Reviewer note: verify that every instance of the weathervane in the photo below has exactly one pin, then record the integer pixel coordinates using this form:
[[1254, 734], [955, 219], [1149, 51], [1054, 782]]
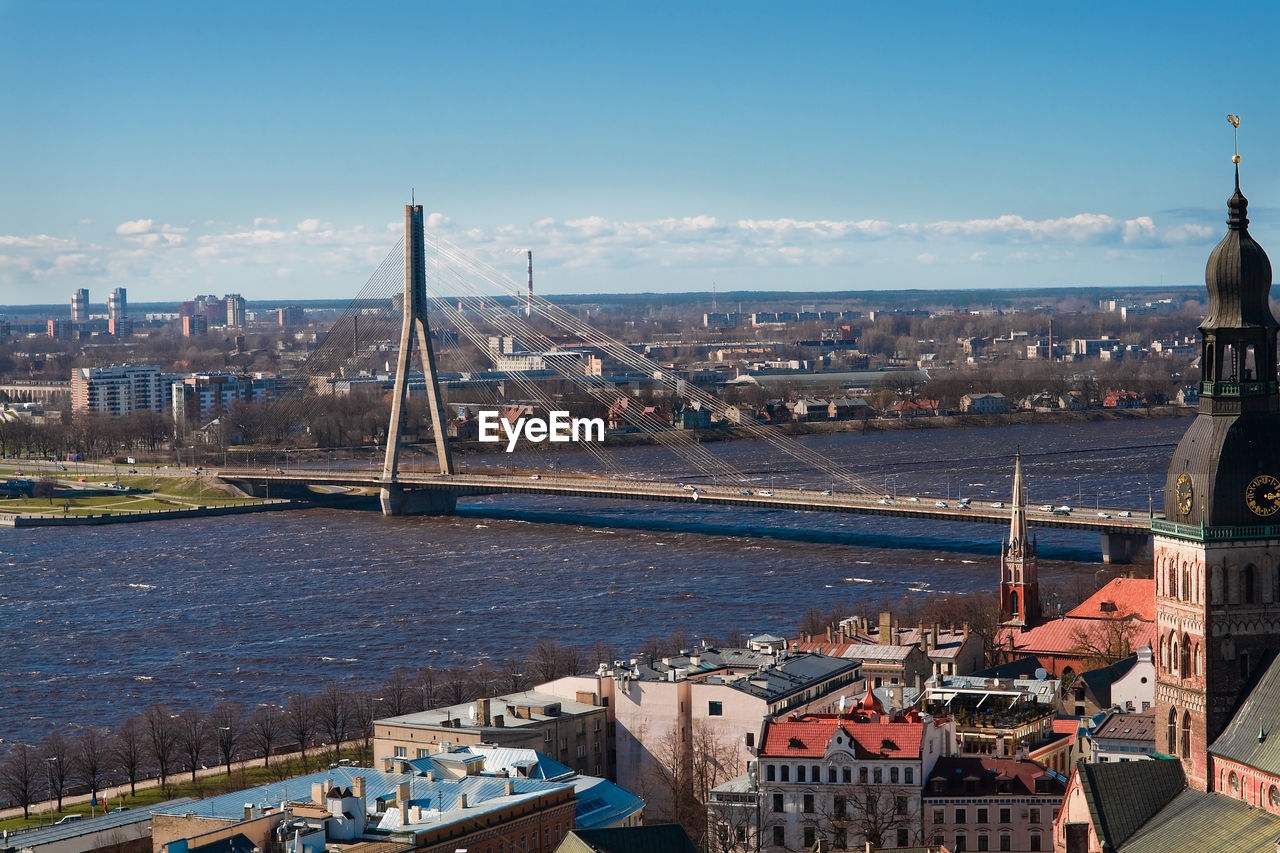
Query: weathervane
[[1235, 133]]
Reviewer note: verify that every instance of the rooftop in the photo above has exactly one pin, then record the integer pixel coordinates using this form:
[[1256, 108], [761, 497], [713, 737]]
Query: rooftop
[[871, 735], [986, 775], [1253, 736], [516, 709], [75, 829], [1195, 820], [1127, 727], [767, 675]]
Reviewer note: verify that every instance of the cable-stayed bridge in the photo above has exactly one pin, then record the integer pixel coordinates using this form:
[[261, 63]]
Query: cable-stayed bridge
[[443, 297]]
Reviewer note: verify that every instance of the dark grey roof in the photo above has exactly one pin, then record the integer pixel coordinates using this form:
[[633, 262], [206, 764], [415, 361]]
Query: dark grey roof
[[238, 843], [1124, 795], [1099, 681], [1020, 668], [1196, 821], [1253, 735], [656, 838], [1117, 725]]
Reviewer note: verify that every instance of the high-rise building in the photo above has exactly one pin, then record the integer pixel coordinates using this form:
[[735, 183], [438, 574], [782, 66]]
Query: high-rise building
[[289, 316], [117, 390], [195, 325], [117, 305], [235, 309], [1216, 550], [80, 306], [200, 397]]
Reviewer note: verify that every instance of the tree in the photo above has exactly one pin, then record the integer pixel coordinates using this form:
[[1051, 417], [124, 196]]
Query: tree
[[162, 740], [57, 754], [20, 776], [128, 748], [687, 765], [266, 731], [44, 487], [89, 758], [300, 721], [364, 708], [333, 712], [193, 738], [227, 720], [397, 694], [1102, 642]]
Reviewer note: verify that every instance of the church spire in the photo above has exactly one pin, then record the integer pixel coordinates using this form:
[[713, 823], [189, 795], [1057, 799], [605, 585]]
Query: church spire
[[1019, 572], [1018, 515]]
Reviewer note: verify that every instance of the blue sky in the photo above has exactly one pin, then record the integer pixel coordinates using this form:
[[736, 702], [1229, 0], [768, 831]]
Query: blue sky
[[266, 149]]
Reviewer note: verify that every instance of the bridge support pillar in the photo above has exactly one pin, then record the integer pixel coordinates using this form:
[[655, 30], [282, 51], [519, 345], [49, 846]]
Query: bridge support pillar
[[397, 500], [1123, 547]]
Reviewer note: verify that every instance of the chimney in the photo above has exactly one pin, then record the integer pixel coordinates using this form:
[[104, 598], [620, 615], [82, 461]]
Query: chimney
[[317, 793], [248, 810], [933, 635], [357, 789], [924, 640], [482, 712], [386, 764], [511, 787], [462, 801], [402, 800], [828, 633], [886, 628]]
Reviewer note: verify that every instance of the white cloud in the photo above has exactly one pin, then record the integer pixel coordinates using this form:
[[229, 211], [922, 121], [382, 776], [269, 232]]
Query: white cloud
[[88, 220], [311, 225], [259, 221], [927, 258], [136, 226]]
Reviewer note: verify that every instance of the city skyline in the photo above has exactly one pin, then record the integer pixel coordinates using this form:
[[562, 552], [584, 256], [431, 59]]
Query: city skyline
[[831, 148]]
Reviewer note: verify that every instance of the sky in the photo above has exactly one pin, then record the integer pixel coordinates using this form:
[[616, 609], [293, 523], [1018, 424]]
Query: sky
[[267, 149]]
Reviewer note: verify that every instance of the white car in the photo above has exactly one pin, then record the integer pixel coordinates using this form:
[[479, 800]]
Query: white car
[[940, 504], [1104, 515], [766, 494], [914, 500], [998, 505], [536, 477], [826, 492], [1046, 508], [883, 502], [1062, 510], [1126, 514]]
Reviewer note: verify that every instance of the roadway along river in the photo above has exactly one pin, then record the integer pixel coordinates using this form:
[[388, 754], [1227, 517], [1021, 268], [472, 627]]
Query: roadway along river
[[97, 623]]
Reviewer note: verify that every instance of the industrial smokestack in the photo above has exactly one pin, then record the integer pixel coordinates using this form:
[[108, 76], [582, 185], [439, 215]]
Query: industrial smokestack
[[528, 305]]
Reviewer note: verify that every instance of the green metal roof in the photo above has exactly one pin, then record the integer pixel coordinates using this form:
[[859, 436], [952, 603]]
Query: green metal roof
[[1123, 796]]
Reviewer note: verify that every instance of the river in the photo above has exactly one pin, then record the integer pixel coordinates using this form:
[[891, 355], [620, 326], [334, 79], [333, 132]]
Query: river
[[98, 623]]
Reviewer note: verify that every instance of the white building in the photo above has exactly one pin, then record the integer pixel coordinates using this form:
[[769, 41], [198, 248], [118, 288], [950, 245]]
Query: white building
[[118, 390]]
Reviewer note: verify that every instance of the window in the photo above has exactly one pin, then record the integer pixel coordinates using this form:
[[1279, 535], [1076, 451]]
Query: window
[[842, 838], [838, 808], [402, 752], [799, 772], [909, 775], [1035, 814], [1004, 815], [1035, 841], [1273, 796], [777, 803], [751, 740], [879, 775], [982, 816], [939, 816], [715, 709], [846, 775], [815, 774], [983, 843], [900, 804], [769, 773], [831, 775], [423, 753], [893, 775], [786, 772], [1234, 781], [862, 775], [810, 836], [779, 836], [961, 844], [961, 816], [808, 803], [1006, 842], [903, 840]]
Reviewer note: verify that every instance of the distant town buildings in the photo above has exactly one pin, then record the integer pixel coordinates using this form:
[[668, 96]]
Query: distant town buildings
[[117, 390], [80, 306]]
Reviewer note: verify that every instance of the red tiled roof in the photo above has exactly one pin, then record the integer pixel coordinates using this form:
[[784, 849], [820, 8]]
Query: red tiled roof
[[1131, 596], [1061, 637], [807, 737]]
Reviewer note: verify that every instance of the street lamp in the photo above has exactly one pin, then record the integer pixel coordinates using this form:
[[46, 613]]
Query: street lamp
[[49, 768]]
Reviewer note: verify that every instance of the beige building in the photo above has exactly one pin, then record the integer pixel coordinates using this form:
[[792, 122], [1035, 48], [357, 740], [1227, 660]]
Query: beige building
[[572, 731]]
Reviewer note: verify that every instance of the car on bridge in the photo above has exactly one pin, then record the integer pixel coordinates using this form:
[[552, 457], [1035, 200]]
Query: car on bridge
[[744, 491], [1104, 515], [940, 504], [998, 505], [766, 494], [914, 500], [1126, 514], [1062, 510]]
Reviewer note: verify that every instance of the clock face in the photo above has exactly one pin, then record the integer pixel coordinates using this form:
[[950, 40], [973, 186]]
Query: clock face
[[1262, 495], [1185, 494]]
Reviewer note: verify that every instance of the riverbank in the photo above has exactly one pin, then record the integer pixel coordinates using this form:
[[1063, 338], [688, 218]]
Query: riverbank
[[12, 519]]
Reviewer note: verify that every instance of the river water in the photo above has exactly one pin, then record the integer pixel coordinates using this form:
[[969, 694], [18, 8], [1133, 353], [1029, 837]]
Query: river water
[[98, 623]]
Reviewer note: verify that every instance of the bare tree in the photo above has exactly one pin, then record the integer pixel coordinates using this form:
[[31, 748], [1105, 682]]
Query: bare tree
[[1103, 642], [687, 766], [162, 740], [427, 684], [300, 721], [193, 738], [266, 731], [332, 713], [128, 748], [546, 659], [20, 776], [57, 754], [90, 757], [227, 720], [364, 709], [397, 694]]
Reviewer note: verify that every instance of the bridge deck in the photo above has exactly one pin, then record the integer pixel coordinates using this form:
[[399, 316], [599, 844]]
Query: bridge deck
[[788, 499]]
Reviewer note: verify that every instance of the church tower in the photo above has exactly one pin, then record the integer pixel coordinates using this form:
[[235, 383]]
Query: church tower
[[1215, 551], [1019, 571]]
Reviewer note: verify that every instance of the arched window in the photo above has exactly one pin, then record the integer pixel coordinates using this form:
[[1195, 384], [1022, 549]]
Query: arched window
[[1013, 605], [1164, 653], [1273, 797], [1250, 592], [1186, 734], [1173, 731], [1186, 657], [1233, 782], [1250, 364], [1199, 664], [1171, 585], [1174, 665]]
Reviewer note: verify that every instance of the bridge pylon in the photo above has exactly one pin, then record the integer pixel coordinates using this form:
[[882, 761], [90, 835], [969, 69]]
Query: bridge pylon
[[413, 327]]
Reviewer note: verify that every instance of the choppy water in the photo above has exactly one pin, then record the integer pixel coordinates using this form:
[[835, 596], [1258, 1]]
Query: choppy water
[[97, 623]]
